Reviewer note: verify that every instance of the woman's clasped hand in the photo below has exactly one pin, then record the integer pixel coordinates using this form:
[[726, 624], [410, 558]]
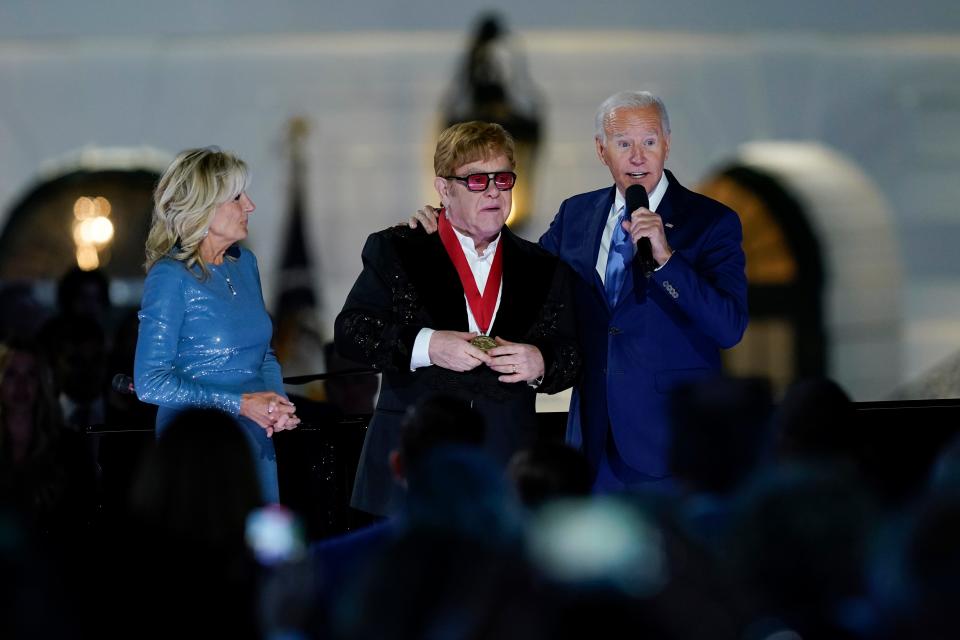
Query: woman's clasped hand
[[270, 410]]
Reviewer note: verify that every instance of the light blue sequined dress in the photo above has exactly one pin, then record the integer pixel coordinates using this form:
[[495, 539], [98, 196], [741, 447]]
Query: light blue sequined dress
[[204, 343]]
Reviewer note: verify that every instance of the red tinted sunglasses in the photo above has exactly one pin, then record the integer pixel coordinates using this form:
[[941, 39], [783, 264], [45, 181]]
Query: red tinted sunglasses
[[502, 180]]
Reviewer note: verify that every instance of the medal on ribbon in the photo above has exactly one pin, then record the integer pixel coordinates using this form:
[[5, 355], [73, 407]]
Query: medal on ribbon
[[483, 342], [481, 305]]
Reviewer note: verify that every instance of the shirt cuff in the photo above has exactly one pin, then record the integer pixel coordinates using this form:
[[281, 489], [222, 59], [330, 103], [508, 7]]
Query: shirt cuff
[[664, 262], [421, 350]]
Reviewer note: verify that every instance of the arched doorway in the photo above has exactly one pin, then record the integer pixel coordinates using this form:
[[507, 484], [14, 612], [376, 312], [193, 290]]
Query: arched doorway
[[93, 211], [823, 268], [785, 338]]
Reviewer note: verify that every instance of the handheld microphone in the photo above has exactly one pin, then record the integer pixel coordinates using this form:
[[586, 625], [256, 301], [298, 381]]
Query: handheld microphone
[[636, 197], [122, 384]]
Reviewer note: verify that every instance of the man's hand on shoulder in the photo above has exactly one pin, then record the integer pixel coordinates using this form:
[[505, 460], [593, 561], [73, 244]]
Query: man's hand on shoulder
[[426, 218]]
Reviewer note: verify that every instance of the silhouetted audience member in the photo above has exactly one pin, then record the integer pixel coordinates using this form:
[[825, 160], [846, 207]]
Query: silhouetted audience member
[[46, 476], [547, 471], [798, 540], [620, 563], [720, 436], [945, 474], [719, 432], [441, 584], [196, 485], [76, 348], [456, 564], [815, 420], [435, 423], [917, 571], [21, 314], [32, 601], [185, 563], [461, 490], [85, 293], [44, 472], [818, 422], [123, 407]]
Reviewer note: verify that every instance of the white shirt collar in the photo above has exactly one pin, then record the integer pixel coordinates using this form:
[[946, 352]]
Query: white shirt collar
[[470, 249]]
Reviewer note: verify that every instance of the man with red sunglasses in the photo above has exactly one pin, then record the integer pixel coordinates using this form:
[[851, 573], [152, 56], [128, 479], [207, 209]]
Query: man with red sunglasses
[[472, 311]]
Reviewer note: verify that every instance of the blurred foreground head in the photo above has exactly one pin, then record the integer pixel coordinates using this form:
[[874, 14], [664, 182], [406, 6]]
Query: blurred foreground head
[[548, 471], [435, 421], [719, 432], [815, 420], [199, 482]]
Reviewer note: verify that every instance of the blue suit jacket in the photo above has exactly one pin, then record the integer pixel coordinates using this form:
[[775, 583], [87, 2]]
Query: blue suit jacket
[[664, 330]]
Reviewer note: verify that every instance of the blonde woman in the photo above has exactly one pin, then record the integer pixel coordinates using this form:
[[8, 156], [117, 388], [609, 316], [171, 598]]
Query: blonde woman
[[204, 336]]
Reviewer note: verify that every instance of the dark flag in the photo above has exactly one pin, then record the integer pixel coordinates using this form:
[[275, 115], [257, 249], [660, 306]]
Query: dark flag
[[299, 339]]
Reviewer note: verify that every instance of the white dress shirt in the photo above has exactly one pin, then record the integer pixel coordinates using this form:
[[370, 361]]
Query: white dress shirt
[[619, 202], [480, 267]]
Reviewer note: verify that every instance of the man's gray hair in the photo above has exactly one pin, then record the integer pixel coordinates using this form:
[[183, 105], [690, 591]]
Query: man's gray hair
[[629, 100]]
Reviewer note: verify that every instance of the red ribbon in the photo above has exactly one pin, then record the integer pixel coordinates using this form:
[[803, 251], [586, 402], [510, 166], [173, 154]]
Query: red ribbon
[[481, 306]]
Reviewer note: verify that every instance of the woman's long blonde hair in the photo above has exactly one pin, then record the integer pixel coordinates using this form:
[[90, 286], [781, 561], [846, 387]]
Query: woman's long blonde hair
[[188, 193]]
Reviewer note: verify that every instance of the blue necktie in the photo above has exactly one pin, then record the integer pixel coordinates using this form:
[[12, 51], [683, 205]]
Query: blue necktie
[[618, 260]]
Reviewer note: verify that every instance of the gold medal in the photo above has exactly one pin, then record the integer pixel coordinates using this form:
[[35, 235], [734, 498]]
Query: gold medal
[[485, 343]]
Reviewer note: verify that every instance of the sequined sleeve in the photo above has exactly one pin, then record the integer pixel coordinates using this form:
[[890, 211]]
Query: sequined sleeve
[[378, 323], [161, 317], [270, 370], [555, 335]]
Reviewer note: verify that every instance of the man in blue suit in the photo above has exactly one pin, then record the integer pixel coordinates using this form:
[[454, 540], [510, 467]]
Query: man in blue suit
[[642, 336], [651, 334]]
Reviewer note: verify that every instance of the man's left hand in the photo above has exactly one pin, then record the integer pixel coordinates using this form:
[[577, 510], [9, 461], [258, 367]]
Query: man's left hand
[[647, 224], [518, 362]]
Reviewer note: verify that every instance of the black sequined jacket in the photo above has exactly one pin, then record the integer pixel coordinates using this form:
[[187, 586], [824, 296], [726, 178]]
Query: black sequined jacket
[[408, 283]]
